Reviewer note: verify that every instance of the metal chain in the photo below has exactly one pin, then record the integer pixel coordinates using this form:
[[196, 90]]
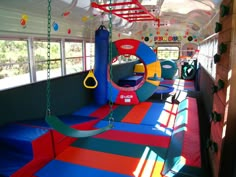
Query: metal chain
[[111, 119], [48, 97], [91, 48]]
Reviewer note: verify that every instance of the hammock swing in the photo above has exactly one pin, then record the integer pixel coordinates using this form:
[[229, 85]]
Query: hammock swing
[[54, 121]]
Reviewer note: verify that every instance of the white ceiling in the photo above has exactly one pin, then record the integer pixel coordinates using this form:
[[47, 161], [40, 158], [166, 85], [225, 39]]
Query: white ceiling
[[176, 17]]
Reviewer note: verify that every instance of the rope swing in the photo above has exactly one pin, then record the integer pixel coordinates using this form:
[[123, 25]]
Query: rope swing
[[54, 121]]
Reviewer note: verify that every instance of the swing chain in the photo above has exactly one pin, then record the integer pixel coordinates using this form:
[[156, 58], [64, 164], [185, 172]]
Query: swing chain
[[102, 18], [111, 119], [48, 59]]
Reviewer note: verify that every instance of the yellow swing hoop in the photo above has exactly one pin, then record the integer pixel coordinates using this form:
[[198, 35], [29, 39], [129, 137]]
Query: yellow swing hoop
[[90, 75]]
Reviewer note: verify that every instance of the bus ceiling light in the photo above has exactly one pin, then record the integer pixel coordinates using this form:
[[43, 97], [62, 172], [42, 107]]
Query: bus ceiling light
[[177, 6], [150, 2]]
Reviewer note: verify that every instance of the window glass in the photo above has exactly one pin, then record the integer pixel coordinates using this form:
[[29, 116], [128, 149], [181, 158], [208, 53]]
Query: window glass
[[14, 63], [40, 56], [90, 56], [124, 59], [168, 53], [74, 57], [206, 55]]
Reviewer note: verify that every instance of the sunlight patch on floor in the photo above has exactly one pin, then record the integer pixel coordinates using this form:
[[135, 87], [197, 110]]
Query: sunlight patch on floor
[[150, 164]]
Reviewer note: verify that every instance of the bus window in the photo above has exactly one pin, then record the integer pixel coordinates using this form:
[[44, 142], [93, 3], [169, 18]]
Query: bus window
[[14, 63], [207, 50], [74, 57], [90, 53], [168, 53], [40, 56]]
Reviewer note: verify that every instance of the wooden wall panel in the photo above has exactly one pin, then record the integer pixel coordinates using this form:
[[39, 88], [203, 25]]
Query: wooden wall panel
[[225, 36], [221, 73], [233, 28], [218, 105], [224, 60], [226, 23], [223, 132], [216, 133], [216, 136]]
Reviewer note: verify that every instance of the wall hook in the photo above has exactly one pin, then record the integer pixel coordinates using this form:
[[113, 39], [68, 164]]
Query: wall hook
[[217, 58], [214, 89], [221, 84], [216, 117], [218, 27], [222, 48], [224, 10], [213, 146]]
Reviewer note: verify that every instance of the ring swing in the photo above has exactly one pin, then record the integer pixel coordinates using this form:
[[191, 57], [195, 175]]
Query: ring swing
[[54, 121], [90, 76]]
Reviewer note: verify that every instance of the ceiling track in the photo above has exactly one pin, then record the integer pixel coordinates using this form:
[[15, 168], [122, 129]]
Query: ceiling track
[[131, 11]]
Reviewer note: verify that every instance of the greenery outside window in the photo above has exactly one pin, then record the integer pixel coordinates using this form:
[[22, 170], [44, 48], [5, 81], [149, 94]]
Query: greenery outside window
[[40, 56], [14, 63], [90, 47], [168, 53], [124, 59], [74, 57]]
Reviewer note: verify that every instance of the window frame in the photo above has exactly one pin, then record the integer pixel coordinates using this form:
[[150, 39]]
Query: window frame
[[42, 74], [207, 49], [168, 44], [15, 80], [31, 61]]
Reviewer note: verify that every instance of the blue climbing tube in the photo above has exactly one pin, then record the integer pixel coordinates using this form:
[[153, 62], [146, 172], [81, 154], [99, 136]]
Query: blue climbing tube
[[101, 62]]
